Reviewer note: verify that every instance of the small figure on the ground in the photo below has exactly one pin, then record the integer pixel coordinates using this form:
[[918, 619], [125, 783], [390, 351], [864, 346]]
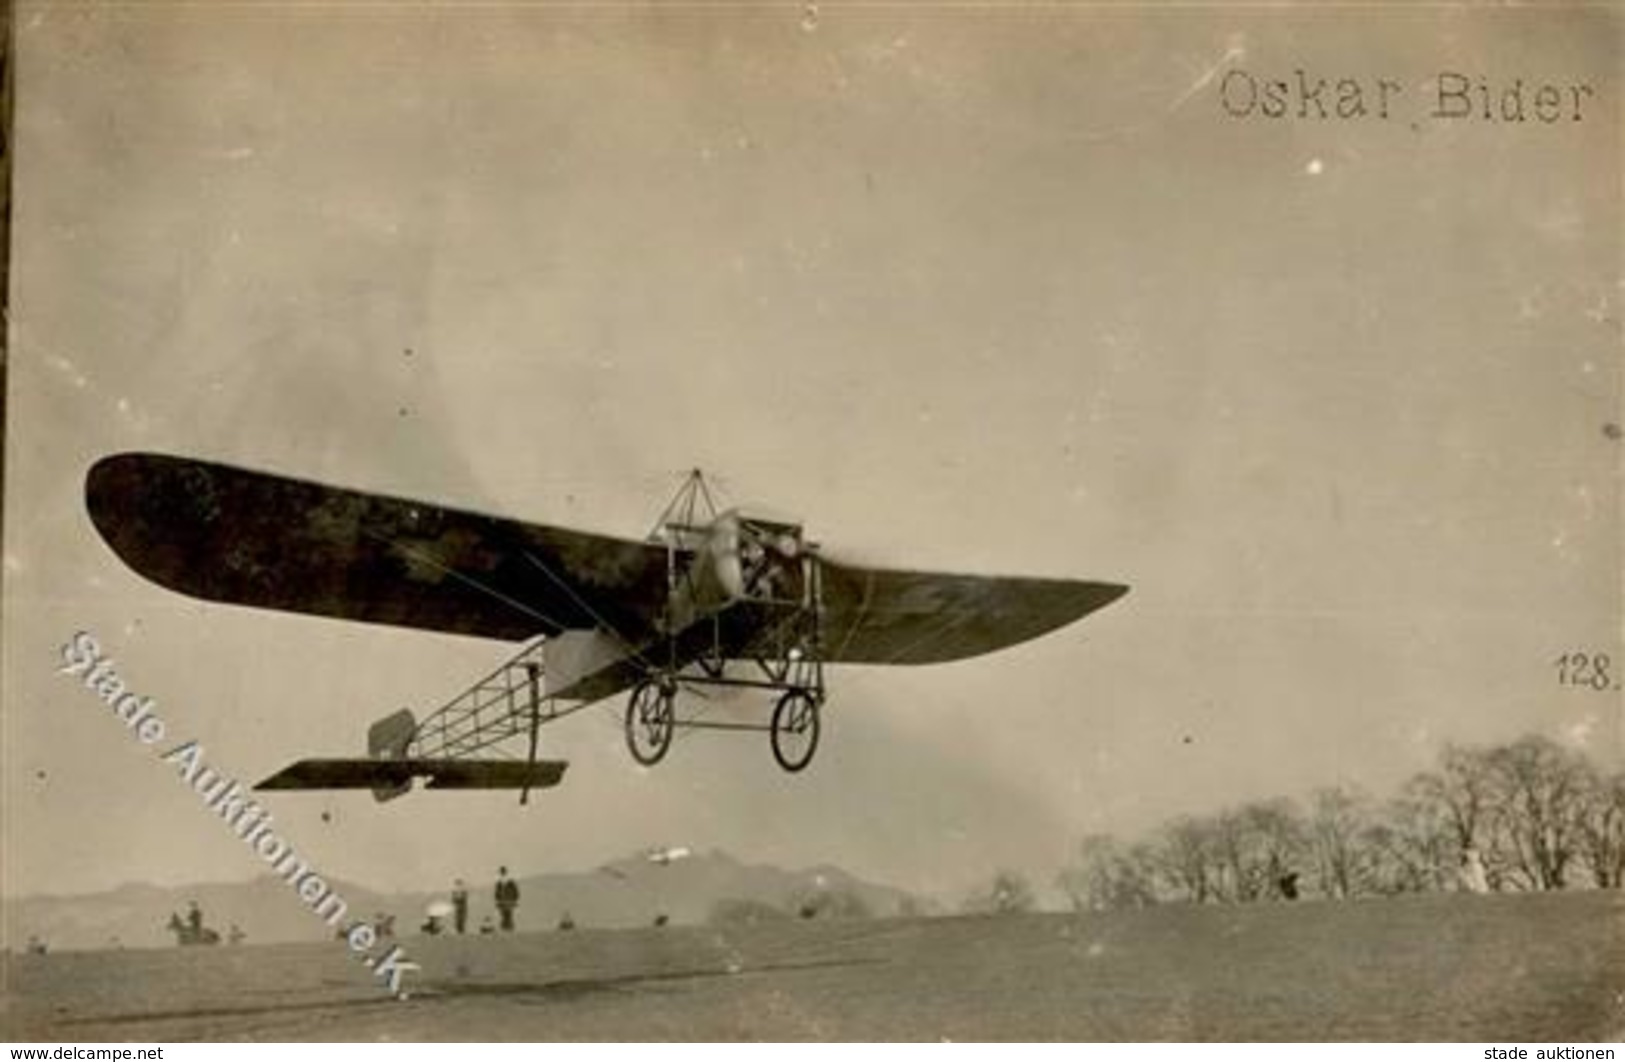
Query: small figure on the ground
[[487, 927], [1473, 878], [235, 934], [436, 914], [36, 946], [567, 923], [1288, 884], [459, 906], [507, 897], [192, 930]]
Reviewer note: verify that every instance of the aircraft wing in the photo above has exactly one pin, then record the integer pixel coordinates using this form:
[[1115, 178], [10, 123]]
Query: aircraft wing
[[876, 616], [250, 538]]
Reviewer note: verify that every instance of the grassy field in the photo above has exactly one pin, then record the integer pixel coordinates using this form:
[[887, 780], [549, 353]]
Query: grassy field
[[1529, 968]]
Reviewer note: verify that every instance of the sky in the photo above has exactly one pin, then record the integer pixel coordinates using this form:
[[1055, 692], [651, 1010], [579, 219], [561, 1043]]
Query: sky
[[1000, 289]]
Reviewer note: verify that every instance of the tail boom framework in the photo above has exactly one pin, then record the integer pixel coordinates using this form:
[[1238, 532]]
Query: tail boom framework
[[499, 710]]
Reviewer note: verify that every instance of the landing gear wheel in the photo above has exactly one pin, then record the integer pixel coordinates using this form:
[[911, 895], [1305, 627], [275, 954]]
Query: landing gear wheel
[[650, 721], [795, 729]]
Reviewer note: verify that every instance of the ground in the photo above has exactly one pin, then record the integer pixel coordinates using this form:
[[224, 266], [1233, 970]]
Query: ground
[[1460, 967]]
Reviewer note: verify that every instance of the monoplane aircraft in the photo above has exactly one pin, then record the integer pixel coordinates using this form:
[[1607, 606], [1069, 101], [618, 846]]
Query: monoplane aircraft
[[708, 600]]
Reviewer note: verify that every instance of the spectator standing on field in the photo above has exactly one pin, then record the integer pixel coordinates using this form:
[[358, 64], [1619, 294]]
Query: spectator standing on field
[[507, 897], [459, 906]]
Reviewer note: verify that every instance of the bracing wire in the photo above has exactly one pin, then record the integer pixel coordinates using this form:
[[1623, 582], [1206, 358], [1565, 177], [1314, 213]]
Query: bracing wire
[[434, 562]]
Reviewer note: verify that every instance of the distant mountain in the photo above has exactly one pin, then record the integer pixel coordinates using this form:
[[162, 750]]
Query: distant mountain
[[136, 915], [628, 892]]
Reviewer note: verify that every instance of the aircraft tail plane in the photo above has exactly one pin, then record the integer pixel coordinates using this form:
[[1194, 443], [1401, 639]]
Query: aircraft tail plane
[[389, 772], [394, 777]]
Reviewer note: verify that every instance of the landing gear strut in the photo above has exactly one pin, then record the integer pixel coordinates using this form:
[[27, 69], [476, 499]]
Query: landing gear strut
[[794, 731], [741, 594], [650, 719]]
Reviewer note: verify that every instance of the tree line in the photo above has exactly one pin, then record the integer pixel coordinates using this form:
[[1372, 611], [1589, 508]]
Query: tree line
[[1532, 815]]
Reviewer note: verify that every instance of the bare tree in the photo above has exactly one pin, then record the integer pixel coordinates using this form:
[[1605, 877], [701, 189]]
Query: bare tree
[[1539, 790], [1522, 815], [1105, 873], [1602, 829], [1462, 790], [1339, 823], [1282, 840], [1257, 845], [1451, 813], [1087, 880], [1185, 855], [1140, 878], [1413, 844]]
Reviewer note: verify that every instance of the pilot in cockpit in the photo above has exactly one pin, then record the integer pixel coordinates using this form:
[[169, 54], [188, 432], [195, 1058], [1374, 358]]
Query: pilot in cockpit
[[757, 564]]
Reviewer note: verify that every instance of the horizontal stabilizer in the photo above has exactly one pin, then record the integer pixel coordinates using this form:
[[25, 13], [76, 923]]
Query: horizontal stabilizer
[[398, 774]]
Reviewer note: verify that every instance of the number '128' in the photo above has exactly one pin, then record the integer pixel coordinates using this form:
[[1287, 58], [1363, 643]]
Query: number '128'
[[1585, 669]]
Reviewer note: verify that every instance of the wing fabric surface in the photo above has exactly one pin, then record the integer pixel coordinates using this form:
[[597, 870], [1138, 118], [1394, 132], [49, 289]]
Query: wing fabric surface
[[250, 538], [242, 537], [874, 616]]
